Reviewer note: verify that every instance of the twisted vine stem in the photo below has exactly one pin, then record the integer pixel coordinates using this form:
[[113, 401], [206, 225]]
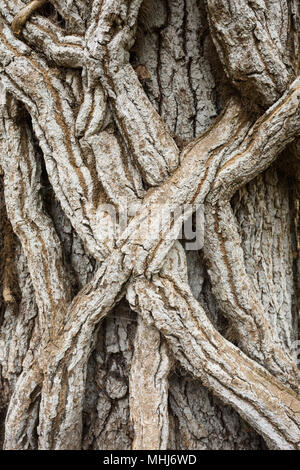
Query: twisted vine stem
[[99, 148]]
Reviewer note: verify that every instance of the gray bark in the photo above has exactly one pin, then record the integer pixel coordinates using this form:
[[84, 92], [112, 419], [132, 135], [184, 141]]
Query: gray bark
[[129, 341]]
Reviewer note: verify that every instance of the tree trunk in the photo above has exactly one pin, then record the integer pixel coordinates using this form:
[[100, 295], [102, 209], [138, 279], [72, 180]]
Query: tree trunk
[[113, 336]]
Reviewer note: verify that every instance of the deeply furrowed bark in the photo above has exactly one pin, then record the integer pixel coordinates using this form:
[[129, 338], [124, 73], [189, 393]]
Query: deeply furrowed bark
[[149, 389], [98, 138]]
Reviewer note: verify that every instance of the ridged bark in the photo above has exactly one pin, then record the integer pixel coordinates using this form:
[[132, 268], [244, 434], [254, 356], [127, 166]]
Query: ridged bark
[[112, 338]]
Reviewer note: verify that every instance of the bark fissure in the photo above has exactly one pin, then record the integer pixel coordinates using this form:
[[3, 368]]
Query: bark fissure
[[106, 145]]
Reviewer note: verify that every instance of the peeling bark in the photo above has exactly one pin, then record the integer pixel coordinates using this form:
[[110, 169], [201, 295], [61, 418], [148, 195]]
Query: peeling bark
[[161, 106]]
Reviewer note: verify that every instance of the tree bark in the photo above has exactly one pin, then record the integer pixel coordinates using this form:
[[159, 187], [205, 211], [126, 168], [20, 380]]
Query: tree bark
[[113, 335]]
